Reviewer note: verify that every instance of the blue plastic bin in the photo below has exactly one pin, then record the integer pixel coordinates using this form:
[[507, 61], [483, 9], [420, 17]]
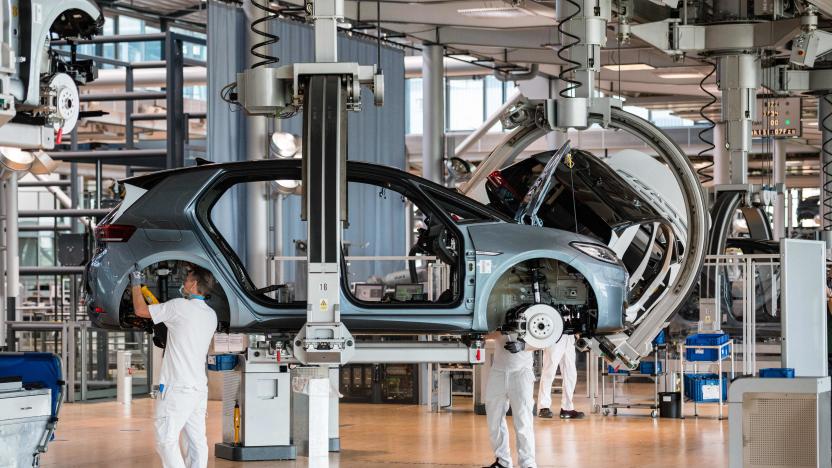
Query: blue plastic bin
[[694, 384], [707, 339], [777, 373], [649, 367], [660, 339], [36, 370], [222, 362]]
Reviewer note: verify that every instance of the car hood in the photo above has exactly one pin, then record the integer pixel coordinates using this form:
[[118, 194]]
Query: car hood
[[587, 193]]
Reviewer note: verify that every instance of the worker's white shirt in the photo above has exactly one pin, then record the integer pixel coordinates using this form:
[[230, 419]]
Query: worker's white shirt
[[507, 361], [191, 325]]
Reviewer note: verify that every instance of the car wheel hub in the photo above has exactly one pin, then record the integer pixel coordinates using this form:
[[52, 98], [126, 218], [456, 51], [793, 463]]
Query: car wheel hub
[[544, 326]]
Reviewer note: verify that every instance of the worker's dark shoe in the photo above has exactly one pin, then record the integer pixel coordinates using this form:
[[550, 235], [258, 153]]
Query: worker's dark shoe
[[546, 413], [571, 414], [496, 464]]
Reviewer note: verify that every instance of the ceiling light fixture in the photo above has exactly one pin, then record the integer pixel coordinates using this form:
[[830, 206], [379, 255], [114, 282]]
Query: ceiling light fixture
[[629, 67], [493, 12], [680, 75]]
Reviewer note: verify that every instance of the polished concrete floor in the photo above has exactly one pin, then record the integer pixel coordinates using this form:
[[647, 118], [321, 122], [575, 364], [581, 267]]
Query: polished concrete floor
[[108, 434]]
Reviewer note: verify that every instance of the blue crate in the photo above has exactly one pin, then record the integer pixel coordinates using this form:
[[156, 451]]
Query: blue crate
[[649, 367], [777, 373], [620, 371], [222, 362], [660, 339], [707, 339], [694, 384]]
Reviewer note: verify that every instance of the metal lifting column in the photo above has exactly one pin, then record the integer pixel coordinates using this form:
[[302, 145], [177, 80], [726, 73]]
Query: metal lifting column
[[324, 91]]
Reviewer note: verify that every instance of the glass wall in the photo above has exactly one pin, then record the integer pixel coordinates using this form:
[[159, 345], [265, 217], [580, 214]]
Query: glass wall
[[469, 100]]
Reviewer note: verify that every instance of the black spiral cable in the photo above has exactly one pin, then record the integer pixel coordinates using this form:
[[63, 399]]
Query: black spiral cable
[[703, 177], [563, 75], [827, 164], [269, 38]]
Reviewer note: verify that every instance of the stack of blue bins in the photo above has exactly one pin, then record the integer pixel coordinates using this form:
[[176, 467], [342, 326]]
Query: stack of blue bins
[[708, 354], [694, 384]]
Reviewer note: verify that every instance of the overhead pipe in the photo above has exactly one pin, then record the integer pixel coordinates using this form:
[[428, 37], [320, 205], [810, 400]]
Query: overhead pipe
[[66, 213]]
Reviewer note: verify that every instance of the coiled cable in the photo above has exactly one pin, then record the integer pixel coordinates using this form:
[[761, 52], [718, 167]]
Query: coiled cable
[[563, 75], [703, 177], [826, 150], [269, 38]]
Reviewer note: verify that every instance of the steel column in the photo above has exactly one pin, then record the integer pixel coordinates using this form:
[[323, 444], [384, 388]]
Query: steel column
[[825, 126], [99, 169], [739, 78], [722, 162], [327, 14], [2, 265], [257, 147], [176, 124], [433, 112], [779, 182], [12, 249]]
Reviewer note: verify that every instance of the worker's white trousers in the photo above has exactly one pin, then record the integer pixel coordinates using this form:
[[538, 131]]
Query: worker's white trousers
[[560, 354], [182, 410], [515, 387]]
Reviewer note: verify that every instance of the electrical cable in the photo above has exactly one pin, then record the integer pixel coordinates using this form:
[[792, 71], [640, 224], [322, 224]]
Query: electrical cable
[[703, 177], [269, 38], [826, 150], [572, 84]]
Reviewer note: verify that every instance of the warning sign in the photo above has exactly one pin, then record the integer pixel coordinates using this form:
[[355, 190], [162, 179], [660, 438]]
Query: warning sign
[[323, 305]]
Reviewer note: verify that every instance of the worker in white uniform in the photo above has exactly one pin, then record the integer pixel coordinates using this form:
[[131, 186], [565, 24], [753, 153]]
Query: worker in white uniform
[[511, 381], [559, 355], [183, 384]]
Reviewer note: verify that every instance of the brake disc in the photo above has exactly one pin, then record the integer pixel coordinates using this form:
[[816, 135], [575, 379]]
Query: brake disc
[[544, 326]]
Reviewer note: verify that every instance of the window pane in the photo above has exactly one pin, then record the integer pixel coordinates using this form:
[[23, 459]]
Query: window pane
[[493, 98], [665, 118], [399, 279], [414, 104], [465, 103]]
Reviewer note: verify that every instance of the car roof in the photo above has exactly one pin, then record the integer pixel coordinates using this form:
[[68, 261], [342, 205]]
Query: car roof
[[366, 169]]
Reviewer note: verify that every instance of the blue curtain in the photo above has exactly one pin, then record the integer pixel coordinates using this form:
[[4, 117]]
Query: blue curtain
[[226, 126]]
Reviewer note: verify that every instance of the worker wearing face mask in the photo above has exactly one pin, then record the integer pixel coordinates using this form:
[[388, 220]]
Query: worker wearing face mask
[[511, 381], [561, 354], [183, 384]]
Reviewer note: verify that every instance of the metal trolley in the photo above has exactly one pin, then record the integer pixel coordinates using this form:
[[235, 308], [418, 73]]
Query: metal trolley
[[652, 405], [718, 362]]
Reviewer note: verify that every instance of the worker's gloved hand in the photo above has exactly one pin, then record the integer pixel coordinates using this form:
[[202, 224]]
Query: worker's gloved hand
[[515, 346], [136, 278]]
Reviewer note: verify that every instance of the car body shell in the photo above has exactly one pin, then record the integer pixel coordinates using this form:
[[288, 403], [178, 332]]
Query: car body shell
[[171, 211]]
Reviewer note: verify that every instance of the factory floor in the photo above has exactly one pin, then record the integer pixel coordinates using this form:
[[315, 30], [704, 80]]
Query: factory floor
[[109, 434]]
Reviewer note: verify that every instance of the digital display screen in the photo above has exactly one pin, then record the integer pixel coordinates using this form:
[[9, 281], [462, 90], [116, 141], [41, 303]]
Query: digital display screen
[[777, 117]]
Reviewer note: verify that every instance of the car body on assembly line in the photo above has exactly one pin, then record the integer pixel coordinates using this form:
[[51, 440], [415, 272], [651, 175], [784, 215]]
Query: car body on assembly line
[[469, 268]]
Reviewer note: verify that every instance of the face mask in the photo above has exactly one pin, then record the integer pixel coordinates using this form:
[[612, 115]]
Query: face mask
[[183, 293]]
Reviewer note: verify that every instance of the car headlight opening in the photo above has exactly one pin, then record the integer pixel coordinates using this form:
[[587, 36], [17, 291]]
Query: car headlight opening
[[598, 252]]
